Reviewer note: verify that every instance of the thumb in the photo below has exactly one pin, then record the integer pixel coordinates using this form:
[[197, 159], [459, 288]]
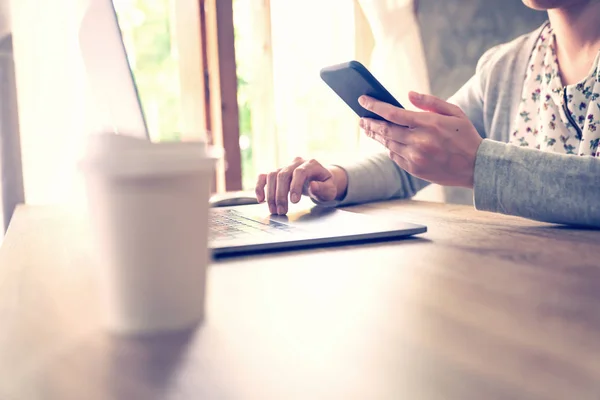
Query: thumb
[[434, 104], [324, 191]]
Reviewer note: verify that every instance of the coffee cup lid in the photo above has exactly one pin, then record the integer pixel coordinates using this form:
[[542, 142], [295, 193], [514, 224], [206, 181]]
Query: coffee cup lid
[[121, 155]]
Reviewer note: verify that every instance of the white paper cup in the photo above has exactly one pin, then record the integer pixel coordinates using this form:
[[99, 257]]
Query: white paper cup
[[148, 207]]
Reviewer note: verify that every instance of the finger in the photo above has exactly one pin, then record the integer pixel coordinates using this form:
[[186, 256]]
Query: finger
[[260, 187], [400, 161], [308, 171], [271, 190], [434, 104], [284, 178], [386, 129], [391, 145], [391, 113]]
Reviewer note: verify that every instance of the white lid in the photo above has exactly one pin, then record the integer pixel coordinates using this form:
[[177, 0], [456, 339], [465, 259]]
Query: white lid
[[120, 155]]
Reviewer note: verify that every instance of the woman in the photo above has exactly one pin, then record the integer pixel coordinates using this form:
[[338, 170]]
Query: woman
[[523, 132]]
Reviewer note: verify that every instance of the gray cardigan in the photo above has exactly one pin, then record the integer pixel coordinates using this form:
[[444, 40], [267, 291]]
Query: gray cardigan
[[508, 179]]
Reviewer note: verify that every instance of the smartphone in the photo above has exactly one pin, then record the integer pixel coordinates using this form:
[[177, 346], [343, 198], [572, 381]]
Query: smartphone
[[351, 80]]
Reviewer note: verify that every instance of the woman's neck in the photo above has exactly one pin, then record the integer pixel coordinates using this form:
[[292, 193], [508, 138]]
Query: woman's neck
[[577, 32]]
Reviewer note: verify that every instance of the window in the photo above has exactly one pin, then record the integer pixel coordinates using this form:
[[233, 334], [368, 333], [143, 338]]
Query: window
[[255, 88], [284, 108], [149, 37], [275, 49], [172, 46]]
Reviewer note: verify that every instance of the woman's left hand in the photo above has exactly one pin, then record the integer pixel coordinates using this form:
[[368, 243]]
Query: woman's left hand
[[439, 145]]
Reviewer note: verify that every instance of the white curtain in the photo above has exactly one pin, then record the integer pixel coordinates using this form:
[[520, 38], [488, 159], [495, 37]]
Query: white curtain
[[398, 60]]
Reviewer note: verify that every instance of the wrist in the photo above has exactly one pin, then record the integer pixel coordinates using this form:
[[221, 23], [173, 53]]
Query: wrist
[[340, 180], [470, 181]]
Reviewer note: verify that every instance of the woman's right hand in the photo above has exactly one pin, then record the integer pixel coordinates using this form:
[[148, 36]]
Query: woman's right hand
[[300, 178]]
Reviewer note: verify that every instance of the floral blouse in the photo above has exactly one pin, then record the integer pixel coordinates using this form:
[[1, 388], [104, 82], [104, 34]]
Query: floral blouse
[[553, 117]]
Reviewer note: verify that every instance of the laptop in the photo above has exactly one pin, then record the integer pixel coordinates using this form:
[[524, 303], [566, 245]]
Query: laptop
[[233, 230]]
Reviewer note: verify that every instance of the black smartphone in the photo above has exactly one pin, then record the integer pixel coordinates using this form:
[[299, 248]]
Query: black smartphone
[[351, 80]]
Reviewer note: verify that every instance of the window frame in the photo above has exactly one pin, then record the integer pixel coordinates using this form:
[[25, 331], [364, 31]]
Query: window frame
[[205, 39]]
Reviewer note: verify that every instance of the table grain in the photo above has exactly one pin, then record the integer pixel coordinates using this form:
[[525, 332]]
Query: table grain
[[482, 306]]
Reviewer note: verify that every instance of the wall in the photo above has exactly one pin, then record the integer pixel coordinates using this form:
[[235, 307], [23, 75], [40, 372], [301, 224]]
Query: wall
[[11, 173], [457, 32], [8, 125], [51, 95]]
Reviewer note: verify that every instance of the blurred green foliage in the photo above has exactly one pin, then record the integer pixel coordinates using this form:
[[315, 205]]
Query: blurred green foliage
[[244, 106], [147, 30]]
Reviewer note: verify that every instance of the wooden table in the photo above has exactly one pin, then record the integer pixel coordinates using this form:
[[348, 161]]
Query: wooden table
[[481, 307]]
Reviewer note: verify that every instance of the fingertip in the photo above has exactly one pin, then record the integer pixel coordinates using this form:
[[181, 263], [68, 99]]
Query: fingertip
[[295, 198], [415, 96]]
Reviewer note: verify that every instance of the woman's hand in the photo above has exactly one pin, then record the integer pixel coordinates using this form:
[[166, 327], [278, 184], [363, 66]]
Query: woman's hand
[[439, 145], [301, 177]]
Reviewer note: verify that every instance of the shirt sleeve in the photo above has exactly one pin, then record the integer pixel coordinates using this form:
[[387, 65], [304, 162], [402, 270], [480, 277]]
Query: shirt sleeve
[[378, 177], [538, 185]]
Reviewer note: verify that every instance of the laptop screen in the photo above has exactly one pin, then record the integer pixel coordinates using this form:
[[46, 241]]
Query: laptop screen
[[129, 52]]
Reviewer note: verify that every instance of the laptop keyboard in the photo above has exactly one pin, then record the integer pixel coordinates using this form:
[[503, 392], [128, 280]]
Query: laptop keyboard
[[230, 224]]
